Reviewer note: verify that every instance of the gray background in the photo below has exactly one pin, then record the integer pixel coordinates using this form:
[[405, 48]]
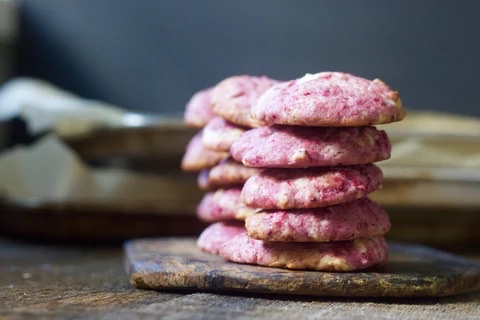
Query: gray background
[[153, 55]]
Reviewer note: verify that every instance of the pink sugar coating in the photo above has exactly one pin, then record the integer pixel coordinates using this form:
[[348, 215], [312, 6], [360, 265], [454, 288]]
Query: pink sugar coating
[[301, 147], [311, 187], [329, 99], [219, 134], [198, 111], [233, 97], [228, 173], [215, 235], [221, 205], [197, 157], [327, 256], [361, 218]]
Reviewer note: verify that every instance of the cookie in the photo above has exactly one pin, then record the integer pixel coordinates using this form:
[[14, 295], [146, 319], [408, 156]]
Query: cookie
[[219, 134], [228, 173], [329, 99], [198, 111], [215, 235], [361, 218], [197, 157], [321, 256], [233, 97], [311, 187], [302, 147], [221, 205]]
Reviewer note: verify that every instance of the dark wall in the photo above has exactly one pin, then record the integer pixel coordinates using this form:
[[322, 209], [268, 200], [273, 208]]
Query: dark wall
[[152, 56]]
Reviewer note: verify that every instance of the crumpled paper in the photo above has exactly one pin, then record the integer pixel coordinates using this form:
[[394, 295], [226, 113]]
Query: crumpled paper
[[49, 171], [44, 107], [44, 170]]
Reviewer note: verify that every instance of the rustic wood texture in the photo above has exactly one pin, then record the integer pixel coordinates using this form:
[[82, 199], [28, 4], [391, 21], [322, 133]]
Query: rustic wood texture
[[60, 282], [412, 271]]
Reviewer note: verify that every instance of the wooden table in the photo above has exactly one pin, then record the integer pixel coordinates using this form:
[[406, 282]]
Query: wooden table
[[51, 281]]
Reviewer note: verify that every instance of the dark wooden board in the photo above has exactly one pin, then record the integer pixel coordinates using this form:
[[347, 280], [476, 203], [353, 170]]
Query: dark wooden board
[[412, 271]]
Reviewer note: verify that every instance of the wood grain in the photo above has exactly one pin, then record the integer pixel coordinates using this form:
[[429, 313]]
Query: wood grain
[[72, 282], [412, 271]]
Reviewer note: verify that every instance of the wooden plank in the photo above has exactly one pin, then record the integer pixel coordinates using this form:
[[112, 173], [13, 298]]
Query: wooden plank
[[66, 282], [412, 271]]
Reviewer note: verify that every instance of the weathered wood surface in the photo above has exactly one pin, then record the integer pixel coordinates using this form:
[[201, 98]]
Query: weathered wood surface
[[57, 282], [412, 271]]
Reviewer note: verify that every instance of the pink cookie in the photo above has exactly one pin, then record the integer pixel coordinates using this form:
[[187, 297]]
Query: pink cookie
[[228, 173], [197, 157], [302, 147], [219, 134], [329, 99], [198, 111], [310, 188], [233, 97], [361, 218], [322, 256], [221, 205], [215, 235]]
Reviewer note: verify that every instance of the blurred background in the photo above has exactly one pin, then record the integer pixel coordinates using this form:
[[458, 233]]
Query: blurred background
[[93, 171], [152, 55]]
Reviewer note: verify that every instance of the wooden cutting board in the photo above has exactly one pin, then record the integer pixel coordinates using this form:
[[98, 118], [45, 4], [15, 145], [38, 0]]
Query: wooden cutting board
[[412, 271]]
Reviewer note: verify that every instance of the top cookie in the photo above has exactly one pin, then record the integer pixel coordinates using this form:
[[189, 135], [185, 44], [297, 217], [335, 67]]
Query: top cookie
[[331, 99], [198, 111], [233, 97]]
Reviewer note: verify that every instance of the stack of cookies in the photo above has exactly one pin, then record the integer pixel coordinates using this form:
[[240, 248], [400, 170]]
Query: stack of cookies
[[223, 115], [313, 145], [316, 151]]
